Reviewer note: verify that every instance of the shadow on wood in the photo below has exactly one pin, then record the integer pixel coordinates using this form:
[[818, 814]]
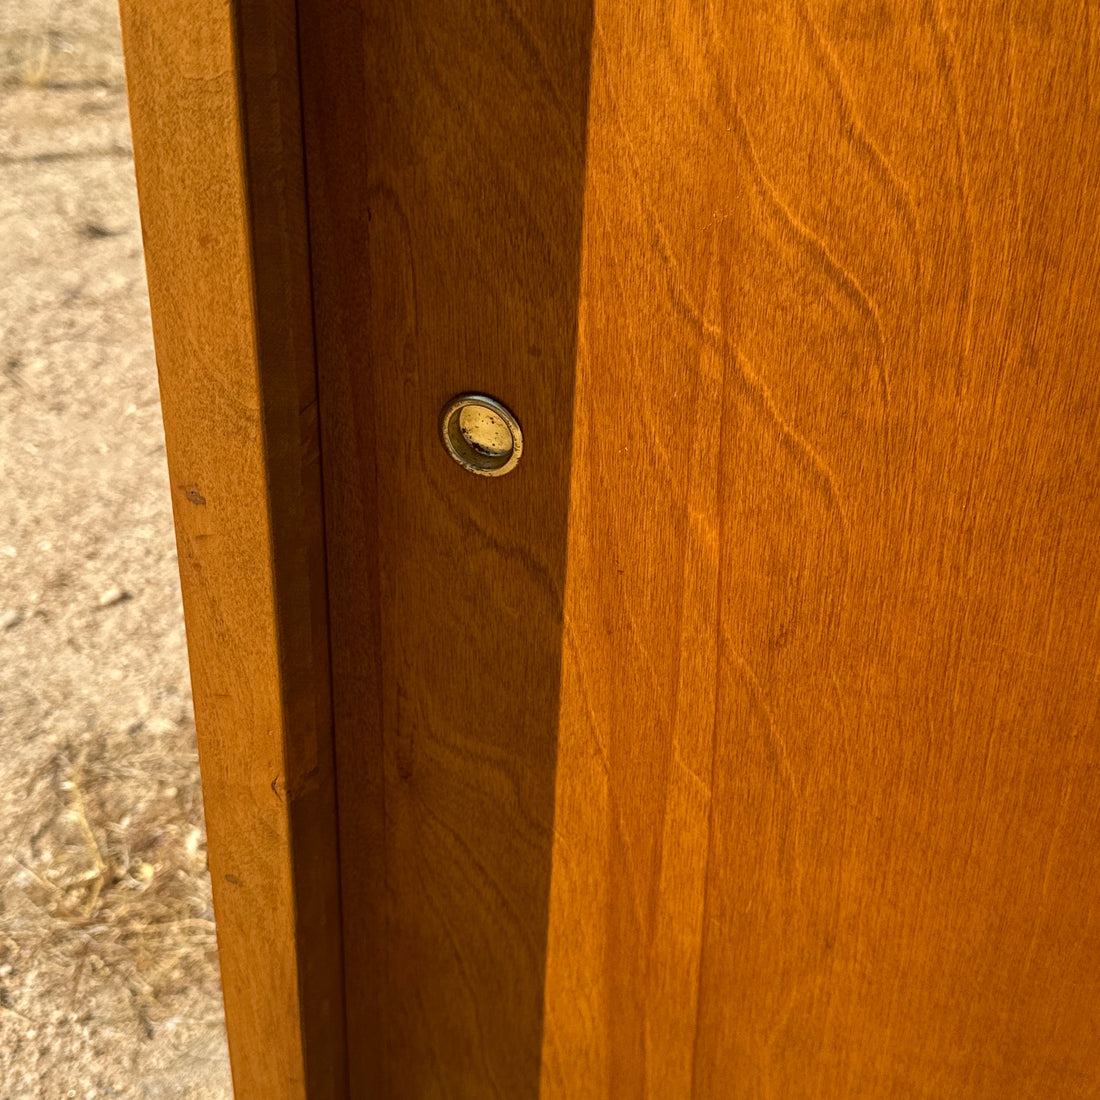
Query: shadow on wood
[[445, 151]]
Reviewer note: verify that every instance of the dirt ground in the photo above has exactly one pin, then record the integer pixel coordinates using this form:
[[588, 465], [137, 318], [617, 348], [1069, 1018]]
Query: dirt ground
[[108, 967]]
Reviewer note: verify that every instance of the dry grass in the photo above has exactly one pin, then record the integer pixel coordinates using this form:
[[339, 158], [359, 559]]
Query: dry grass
[[110, 891], [78, 46], [36, 65]]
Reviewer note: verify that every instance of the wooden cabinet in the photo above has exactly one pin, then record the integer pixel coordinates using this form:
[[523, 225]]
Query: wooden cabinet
[[745, 739]]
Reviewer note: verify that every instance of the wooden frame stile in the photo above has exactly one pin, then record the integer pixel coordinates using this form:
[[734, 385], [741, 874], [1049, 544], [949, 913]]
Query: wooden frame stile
[[215, 114]]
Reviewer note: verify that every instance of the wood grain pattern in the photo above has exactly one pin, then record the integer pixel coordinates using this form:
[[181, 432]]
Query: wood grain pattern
[[828, 787], [446, 174], [215, 114], [745, 741]]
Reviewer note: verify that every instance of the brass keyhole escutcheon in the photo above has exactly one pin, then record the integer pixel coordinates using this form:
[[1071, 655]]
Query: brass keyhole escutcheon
[[481, 435]]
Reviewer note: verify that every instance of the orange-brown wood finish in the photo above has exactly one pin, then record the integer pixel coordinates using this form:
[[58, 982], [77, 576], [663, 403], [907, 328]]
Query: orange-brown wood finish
[[827, 779], [214, 105], [824, 746], [744, 741]]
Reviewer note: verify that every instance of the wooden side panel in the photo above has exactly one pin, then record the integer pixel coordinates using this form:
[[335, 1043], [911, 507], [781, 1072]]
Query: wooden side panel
[[829, 760], [215, 116], [446, 174]]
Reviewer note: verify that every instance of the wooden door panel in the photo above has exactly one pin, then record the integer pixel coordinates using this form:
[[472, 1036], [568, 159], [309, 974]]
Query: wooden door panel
[[827, 789], [744, 740]]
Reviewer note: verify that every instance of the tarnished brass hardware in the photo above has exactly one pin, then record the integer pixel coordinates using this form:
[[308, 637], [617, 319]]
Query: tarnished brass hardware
[[481, 435]]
